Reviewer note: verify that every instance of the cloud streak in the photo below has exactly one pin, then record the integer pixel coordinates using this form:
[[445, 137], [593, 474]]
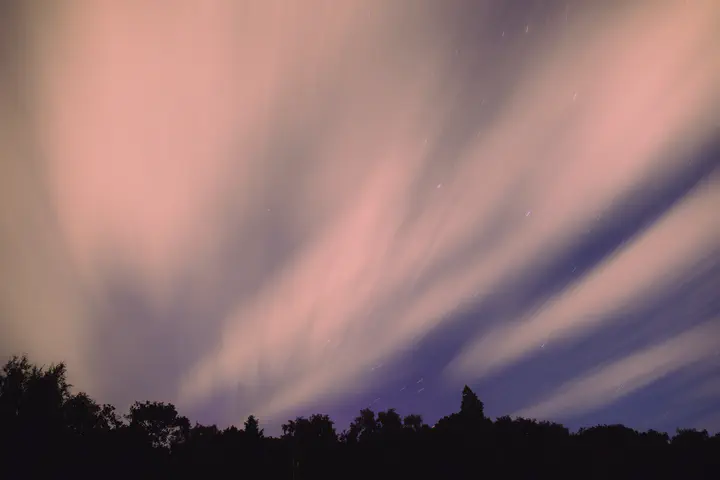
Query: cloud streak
[[294, 169], [642, 267], [620, 378]]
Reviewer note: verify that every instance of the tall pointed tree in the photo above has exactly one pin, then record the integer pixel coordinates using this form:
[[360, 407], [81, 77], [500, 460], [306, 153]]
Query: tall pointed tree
[[252, 428], [471, 406]]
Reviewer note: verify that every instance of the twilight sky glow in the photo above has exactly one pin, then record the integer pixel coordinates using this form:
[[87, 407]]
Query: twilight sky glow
[[286, 207]]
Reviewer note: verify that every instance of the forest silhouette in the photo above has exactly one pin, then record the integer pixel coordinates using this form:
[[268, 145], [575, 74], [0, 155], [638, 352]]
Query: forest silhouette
[[47, 431]]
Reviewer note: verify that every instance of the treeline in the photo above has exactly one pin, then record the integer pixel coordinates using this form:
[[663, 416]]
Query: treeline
[[46, 431]]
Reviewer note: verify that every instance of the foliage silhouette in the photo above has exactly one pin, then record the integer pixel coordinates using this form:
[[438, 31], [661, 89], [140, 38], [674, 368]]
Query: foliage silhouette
[[45, 430]]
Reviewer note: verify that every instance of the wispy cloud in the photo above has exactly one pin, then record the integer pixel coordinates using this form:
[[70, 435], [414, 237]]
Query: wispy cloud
[[628, 278], [622, 377], [294, 169]]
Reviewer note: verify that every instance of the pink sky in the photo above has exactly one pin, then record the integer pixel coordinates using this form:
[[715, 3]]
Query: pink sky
[[156, 133]]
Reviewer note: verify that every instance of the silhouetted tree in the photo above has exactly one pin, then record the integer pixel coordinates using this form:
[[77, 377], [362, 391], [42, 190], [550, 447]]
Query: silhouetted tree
[[389, 421], [83, 415], [252, 428], [159, 422], [690, 438], [46, 431], [363, 427], [313, 444], [413, 422], [471, 406]]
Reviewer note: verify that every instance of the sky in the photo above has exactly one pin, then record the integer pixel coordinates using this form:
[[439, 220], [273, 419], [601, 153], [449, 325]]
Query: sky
[[282, 208]]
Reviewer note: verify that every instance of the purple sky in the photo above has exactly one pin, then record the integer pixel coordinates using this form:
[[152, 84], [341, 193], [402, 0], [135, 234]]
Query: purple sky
[[281, 208]]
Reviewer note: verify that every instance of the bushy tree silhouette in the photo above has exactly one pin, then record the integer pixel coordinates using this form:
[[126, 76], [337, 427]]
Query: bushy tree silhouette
[[413, 422], [158, 423], [46, 431], [252, 428]]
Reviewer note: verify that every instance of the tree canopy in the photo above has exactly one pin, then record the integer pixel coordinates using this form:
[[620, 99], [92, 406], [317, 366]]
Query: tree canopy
[[48, 431]]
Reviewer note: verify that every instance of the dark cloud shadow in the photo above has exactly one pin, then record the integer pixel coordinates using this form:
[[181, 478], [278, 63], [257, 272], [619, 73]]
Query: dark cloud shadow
[[139, 350]]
